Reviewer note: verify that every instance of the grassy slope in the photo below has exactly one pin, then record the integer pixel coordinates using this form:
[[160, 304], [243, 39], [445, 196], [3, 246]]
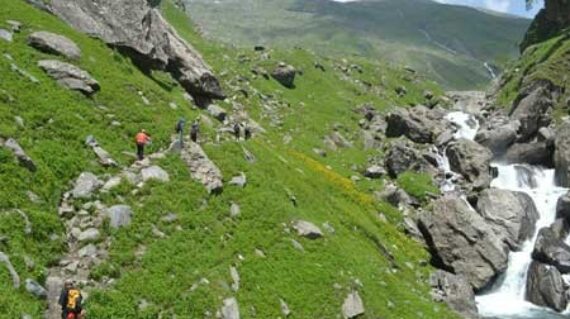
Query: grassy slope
[[391, 29], [208, 242]]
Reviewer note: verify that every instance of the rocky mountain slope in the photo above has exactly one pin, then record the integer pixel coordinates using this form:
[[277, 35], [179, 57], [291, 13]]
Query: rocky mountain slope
[[294, 222], [459, 47]]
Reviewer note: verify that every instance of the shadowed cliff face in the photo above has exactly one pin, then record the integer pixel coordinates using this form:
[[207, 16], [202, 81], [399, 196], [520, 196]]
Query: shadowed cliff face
[[550, 21], [138, 30]]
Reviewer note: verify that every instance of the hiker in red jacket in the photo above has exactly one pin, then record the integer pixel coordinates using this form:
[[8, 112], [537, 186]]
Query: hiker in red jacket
[[142, 139]]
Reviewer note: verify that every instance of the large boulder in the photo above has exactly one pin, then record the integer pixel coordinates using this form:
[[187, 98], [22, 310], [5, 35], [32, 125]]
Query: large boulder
[[461, 241], [497, 134], [531, 109], [563, 207], [537, 153], [137, 29], [551, 249], [285, 74], [55, 44], [403, 157], [545, 287], [471, 160], [455, 291], [70, 76], [512, 215], [562, 155], [202, 168], [419, 124]]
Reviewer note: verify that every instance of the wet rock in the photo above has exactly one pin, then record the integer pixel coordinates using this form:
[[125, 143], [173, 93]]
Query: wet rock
[[307, 229], [285, 74], [352, 306], [18, 151], [512, 215], [35, 289], [545, 287], [70, 76], [538, 153], [462, 242], [55, 44], [472, 161], [455, 291], [154, 173], [202, 168], [119, 215], [85, 185], [550, 249], [4, 259], [137, 29]]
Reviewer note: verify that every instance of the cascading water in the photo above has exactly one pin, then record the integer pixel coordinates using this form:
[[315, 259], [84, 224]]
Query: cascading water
[[507, 299]]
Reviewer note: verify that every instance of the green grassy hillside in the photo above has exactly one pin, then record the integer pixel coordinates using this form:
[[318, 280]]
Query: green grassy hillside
[[448, 43], [360, 251]]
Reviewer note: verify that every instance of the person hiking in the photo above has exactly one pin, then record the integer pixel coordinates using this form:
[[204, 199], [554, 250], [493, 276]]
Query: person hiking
[[180, 130], [247, 132], [142, 139], [70, 301], [194, 130], [237, 130]]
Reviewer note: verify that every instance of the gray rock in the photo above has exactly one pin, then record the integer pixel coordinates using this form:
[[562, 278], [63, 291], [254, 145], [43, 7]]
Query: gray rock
[[18, 151], [461, 241], [103, 156], [375, 171], [545, 287], [455, 291], [6, 35], [285, 74], [563, 207], [55, 44], [217, 112], [240, 180], [88, 251], [472, 161], [307, 229], [119, 215], [16, 26], [112, 183], [137, 29], [235, 278], [85, 185], [170, 218], [230, 309], [537, 153], [352, 306], [395, 196], [90, 234], [202, 168], [532, 111], [498, 136], [546, 135], [550, 249], [512, 215], [336, 140], [36, 289], [4, 259], [235, 210], [284, 308], [403, 157], [154, 173], [419, 124], [562, 155], [70, 76]]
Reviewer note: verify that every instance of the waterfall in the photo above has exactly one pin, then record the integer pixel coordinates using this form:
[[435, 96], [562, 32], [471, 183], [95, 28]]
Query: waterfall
[[507, 299]]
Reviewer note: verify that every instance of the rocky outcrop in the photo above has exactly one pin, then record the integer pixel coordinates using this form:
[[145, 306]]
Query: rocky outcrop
[[549, 22], [285, 74], [550, 249], [472, 161], [562, 155], [55, 44], [202, 168], [512, 215], [462, 242], [70, 76], [545, 287], [531, 110], [138, 30], [419, 124], [455, 291], [403, 156]]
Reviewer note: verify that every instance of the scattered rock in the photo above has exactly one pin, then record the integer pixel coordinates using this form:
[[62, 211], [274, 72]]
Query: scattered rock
[[91, 234], [55, 44], [88, 251], [154, 173], [352, 306], [202, 168], [284, 308], [234, 210], [6, 35], [15, 277], [538, 153], [375, 171], [170, 218], [16, 26], [230, 309], [461, 241], [217, 112], [235, 278], [112, 183], [472, 161], [307, 229], [119, 215], [70, 76], [85, 185], [285, 74], [545, 287], [18, 151], [36, 289], [455, 291], [103, 156], [240, 180]]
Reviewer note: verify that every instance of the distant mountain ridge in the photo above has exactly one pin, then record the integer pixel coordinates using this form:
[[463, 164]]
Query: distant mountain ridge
[[451, 44]]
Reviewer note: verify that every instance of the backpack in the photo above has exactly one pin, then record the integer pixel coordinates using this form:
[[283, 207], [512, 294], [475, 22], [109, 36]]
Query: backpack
[[73, 296]]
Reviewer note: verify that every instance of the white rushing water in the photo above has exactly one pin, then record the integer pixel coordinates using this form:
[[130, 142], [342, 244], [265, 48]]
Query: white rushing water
[[507, 299]]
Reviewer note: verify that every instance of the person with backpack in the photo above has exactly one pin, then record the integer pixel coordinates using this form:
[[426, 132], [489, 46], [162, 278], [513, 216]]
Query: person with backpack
[[194, 130], [247, 132], [70, 301], [237, 130], [142, 139], [180, 130]]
